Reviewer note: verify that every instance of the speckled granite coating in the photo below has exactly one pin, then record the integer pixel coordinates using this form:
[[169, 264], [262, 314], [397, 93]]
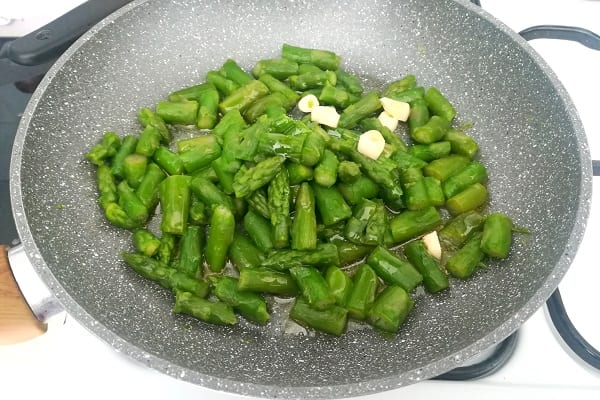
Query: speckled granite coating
[[530, 137]]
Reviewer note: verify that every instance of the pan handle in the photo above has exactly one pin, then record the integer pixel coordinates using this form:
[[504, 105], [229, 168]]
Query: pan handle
[[27, 306], [17, 321]]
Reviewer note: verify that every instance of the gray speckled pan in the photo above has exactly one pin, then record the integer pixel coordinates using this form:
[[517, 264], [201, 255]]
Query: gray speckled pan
[[528, 130]]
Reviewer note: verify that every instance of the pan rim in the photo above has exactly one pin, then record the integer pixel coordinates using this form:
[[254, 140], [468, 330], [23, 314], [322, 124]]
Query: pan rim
[[336, 391]]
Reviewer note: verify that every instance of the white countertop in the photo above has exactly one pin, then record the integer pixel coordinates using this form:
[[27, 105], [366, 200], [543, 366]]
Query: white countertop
[[18, 18], [70, 363]]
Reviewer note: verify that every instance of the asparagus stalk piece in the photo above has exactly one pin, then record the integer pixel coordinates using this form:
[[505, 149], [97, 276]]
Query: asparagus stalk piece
[[334, 96], [419, 114], [362, 188], [243, 253], [198, 152], [276, 86], [145, 242], [220, 236], [192, 92], [399, 86], [350, 253], [348, 171], [231, 70], [367, 224], [332, 320], [369, 104], [432, 131], [224, 86], [394, 270], [166, 250], [474, 172], [266, 280], [148, 118], [209, 193], [108, 147], [258, 202], [339, 283], [299, 173], [279, 208], [414, 95], [280, 68], [497, 235], [350, 82], [174, 196], [434, 279], [190, 250], [182, 112], [313, 286], [432, 151], [410, 224], [241, 98], [251, 305], [132, 204], [439, 104], [325, 173], [304, 226], [461, 144], [165, 276], [390, 309], [214, 312], [324, 255], [462, 264], [323, 59], [469, 199], [331, 204], [460, 228], [106, 185], [128, 146], [147, 191], [168, 161], [260, 231], [207, 115], [248, 180], [363, 292], [134, 169], [445, 167]]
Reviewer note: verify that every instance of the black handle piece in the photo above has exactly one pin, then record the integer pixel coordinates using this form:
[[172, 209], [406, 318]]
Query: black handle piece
[[569, 333], [50, 41], [493, 363]]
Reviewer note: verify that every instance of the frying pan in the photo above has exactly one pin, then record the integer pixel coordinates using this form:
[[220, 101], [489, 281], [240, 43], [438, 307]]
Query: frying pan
[[528, 130]]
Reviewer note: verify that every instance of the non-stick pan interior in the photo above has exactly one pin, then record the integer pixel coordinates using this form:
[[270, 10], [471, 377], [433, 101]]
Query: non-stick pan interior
[[528, 131]]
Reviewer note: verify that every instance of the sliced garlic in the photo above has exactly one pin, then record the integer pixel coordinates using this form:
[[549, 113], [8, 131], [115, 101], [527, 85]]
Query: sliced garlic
[[397, 109], [432, 244], [371, 144], [308, 102], [325, 115], [388, 120]]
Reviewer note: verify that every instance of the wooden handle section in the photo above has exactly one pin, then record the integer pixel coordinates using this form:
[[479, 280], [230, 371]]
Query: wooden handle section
[[17, 322]]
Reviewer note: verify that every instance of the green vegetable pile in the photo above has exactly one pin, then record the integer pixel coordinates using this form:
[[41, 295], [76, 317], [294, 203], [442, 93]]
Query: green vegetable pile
[[291, 203]]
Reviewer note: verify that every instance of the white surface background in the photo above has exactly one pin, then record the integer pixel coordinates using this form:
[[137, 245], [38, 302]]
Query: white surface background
[[69, 363]]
